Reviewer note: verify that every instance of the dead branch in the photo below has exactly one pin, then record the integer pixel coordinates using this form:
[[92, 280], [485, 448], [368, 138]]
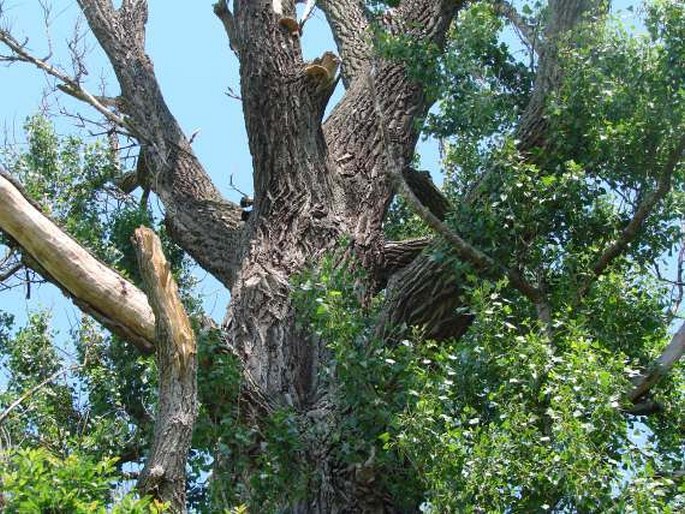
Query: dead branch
[[176, 353], [69, 84], [116, 303]]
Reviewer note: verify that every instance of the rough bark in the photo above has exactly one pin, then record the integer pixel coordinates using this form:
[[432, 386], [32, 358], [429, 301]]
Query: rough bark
[[94, 287], [164, 475], [207, 226]]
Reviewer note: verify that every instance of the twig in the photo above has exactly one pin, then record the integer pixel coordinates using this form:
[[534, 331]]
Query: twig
[[34, 390], [70, 85], [527, 33]]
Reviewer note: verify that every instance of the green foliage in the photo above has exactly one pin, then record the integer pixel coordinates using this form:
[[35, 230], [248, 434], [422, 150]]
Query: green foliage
[[37, 481], [103, 402]]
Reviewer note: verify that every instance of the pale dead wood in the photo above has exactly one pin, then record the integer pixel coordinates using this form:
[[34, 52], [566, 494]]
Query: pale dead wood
[[115, 302], [176, 353]]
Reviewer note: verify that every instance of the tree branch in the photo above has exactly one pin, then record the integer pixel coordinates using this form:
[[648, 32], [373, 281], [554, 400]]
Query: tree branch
[[423, 187], [399, 254], [632, 229], [527, 32], [207, 226], [226, 16], [562, 17], [69, 85], [661, 366], [480, 261], [33, 390], [116, 303], [176, 352], [349, 22]]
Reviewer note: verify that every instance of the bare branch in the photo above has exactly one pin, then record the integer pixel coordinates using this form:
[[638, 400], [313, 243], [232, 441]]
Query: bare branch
[[116, 303], [69, 85], [199, 219], [176, 352], [632, 229], [420, 183], [661, 366], [224, 14]]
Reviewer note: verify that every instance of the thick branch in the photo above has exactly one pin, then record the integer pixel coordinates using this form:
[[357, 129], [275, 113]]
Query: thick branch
[[176, 353], [661, 367], [97, 289], [226, 16], [351, 132], [349, 23], [208, 227], [399, 254], [423, 187]]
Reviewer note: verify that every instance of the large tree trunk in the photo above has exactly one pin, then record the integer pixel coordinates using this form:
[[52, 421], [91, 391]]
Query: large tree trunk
[[314, 182]]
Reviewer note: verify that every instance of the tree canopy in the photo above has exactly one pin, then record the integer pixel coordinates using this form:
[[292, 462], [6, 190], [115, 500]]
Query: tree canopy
[[506, 341]]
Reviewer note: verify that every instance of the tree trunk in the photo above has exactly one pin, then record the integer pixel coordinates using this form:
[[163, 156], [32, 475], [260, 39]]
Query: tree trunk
[[314, 183]]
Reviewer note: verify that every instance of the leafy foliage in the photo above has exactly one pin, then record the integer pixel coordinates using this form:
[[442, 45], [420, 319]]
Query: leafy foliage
[[35, 480]]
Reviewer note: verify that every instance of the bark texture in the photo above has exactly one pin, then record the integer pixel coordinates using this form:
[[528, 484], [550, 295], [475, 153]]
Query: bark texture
[[164, 475], [315, 181]]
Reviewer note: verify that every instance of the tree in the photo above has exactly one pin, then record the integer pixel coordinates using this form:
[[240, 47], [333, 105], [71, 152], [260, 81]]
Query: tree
[[480, 366]]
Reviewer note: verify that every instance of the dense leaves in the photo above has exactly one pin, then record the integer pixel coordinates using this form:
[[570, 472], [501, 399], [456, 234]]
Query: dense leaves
[[524, 413]]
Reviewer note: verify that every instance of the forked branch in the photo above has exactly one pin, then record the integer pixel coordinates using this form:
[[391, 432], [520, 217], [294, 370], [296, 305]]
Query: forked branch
[[68, 84]]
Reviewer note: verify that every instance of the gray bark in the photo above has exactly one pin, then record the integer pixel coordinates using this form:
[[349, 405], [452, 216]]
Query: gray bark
[[314, 182]]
